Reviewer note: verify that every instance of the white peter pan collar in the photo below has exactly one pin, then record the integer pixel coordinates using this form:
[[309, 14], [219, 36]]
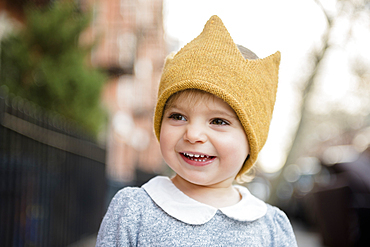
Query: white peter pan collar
[[180, 206]]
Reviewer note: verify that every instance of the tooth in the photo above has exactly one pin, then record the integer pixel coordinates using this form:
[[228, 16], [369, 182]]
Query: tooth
[[195, 159], [202, 156], [196, 155], [190, 155]]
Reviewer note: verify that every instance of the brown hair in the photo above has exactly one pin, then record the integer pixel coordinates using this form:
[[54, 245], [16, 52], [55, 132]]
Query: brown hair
[[247, 54]]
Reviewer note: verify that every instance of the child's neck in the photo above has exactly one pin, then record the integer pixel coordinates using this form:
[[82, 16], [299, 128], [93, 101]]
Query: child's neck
[[217, 196]]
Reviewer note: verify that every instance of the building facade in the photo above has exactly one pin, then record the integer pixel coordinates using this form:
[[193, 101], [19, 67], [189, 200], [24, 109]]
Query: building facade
[[132, 49]]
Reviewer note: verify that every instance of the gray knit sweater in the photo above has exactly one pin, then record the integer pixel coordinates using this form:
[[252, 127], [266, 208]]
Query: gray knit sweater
[[134, 219]]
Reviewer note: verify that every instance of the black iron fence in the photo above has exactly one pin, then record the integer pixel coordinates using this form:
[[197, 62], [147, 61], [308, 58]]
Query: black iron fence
[[52, 180]]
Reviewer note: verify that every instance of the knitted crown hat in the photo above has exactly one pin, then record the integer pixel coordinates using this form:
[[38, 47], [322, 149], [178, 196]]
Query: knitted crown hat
[[212, 63]]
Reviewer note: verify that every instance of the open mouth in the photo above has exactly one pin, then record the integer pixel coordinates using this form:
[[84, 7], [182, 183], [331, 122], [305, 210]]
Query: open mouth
[[198, 157]]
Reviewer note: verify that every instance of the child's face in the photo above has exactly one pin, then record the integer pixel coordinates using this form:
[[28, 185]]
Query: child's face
[[204, 143]]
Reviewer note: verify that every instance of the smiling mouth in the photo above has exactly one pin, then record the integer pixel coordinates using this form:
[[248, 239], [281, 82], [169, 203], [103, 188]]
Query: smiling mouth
[[198, 157]]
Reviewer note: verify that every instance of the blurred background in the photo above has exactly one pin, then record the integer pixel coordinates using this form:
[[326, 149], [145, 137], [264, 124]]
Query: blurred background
[[78, 84]]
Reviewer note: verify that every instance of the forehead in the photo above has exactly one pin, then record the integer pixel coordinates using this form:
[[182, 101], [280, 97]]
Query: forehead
[[192, 98]]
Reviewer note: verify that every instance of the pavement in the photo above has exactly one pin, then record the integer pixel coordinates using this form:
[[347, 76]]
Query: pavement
[[306, 237], [85, 242]]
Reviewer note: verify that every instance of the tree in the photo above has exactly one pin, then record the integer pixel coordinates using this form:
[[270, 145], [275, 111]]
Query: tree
[[44, 63], [354, 11]]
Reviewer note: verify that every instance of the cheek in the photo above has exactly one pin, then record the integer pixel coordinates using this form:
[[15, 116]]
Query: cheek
[[163, 142], [167, 144], [237, 145], [167, 139], [245, 145]]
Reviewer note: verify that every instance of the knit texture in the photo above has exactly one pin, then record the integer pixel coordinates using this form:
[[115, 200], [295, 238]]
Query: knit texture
[[212, 63], [133, 219]]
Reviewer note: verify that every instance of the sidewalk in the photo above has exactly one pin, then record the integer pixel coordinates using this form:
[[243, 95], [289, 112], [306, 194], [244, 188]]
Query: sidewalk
[[306, 238], [86, 242]]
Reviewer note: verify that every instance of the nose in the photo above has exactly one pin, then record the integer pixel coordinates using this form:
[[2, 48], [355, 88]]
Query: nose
[[195, 133]]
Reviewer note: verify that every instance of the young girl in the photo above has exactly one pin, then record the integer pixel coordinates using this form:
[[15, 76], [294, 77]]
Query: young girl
[[212, 118]]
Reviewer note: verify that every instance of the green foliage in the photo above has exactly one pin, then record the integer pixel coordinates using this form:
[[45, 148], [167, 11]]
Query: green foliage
[[45, 64]]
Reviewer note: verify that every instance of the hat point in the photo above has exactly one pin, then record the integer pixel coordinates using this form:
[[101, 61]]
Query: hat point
[[214, 19]]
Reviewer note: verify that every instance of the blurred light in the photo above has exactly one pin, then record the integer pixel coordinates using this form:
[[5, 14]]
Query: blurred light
[[271, 160], [284, 191], [143, 68], [324, 177], [123, 124], [305, 184], [326, 131], [125, 92], [260, 188], [361, 142], [340, 154], [139, 139], [133, 136], [292, 173], [127, 45], [309, 165], [356, 122]]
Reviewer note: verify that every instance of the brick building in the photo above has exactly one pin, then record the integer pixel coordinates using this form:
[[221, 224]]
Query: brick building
[[132, 49]]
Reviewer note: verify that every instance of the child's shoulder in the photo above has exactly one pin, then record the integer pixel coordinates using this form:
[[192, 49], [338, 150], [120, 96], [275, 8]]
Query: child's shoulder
[[130, 198], [276, 216], [279, 225], [132, 193], [274, 212]]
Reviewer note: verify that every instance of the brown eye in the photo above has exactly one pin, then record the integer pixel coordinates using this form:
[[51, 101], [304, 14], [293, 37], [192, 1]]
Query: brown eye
[[219, 121], [177, 116]]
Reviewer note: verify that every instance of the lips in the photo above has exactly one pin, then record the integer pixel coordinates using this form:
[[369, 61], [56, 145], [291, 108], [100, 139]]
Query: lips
[[197, 159]]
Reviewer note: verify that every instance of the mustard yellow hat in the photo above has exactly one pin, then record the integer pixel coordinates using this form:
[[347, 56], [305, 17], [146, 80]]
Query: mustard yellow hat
[[212, 63]]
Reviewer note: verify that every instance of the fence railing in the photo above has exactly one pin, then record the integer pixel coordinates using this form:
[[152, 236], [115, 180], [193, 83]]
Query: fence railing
[[52, 179]]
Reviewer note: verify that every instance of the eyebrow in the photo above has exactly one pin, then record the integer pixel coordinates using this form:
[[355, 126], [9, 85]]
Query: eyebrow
[[217, 112], [173, 106]]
